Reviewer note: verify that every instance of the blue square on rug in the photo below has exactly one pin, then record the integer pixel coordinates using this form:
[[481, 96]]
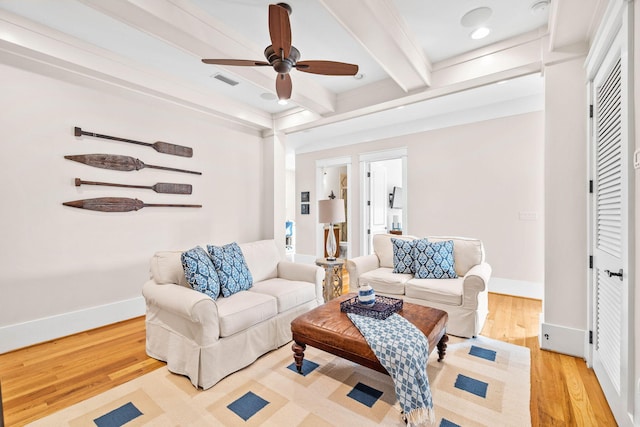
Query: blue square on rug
[[364, 394], [119, 416], [446, 423], [471, 385], [248, 405], [307, 367], [483, 353]]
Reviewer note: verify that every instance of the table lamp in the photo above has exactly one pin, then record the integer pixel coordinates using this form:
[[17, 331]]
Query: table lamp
[[331, 212]]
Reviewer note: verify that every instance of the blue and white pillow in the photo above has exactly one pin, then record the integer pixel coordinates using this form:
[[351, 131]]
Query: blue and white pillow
[[200, 272], [434, 260], [233, 273], [402, 255]]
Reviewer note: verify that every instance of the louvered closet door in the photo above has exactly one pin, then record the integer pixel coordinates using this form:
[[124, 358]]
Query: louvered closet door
[[609, 235]]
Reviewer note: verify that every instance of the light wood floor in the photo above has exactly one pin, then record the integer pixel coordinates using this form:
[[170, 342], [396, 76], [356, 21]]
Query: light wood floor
[[45, 378]]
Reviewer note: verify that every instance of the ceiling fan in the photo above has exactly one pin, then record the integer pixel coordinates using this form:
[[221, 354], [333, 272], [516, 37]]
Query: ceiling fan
[[283, 57]]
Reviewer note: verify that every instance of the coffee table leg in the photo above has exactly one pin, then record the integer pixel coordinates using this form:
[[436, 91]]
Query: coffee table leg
[[442, 347], [298, 354]]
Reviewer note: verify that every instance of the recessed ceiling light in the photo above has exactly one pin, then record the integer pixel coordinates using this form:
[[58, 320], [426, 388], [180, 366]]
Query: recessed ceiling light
[[476, 17], [480, 33], [283, 102], [359, 76]]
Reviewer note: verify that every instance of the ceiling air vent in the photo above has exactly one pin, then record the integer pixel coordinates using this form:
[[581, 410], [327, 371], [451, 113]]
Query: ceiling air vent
[[225, 79]]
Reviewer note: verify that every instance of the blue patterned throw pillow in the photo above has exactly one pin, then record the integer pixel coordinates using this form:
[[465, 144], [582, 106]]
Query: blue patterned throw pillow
[[402, 256], [233, 273], [200, 272], [433, 260]]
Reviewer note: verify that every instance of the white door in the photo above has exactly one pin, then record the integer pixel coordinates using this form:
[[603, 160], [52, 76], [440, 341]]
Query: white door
[[611, 300], [378, 201]]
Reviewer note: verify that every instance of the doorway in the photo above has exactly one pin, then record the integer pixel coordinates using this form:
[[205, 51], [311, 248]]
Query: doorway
[[333, 177], [384, 195]]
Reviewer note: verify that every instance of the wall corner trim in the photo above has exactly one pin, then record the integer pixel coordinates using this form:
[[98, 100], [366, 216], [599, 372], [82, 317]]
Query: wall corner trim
[[36, 331]]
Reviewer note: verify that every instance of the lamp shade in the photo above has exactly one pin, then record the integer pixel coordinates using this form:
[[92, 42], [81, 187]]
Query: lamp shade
[[331, 211]]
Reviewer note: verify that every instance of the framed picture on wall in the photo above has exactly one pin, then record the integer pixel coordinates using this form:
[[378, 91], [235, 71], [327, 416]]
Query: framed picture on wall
[[304, 197], [304, 209]]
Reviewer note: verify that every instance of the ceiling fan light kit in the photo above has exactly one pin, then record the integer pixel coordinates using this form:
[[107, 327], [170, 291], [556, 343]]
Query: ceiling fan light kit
[[283, 56]]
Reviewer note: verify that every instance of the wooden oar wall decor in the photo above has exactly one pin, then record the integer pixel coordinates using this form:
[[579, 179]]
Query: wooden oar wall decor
[[119, 204], [160, 187], [120, 163], [159, 146], [128, 163]]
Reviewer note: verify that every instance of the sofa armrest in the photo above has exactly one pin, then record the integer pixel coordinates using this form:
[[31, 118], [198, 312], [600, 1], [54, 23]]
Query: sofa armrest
[[183, 304], [303, 273], [475, 281], [360, 265]]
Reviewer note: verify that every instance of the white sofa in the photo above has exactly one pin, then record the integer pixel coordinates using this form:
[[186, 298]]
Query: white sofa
[[207, 340], [464, 298]]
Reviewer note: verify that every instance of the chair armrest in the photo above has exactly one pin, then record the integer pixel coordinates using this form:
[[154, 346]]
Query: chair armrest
[[184, 304], [303, 273], [475, 281], [360, 265]]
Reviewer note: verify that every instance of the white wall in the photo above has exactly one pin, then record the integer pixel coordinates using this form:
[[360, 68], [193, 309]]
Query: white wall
[[470, 180], [566, 263], [636, 199], [56, 259]]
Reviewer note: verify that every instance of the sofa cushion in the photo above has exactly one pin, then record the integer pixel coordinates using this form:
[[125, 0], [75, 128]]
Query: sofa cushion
[[385, 280], [466, 252], [166, 267], [200, 272], [436, 290], [288, 293], [244, 309], [403, 255], [383, 248], [262, 258], [232, 269], [434, 260]]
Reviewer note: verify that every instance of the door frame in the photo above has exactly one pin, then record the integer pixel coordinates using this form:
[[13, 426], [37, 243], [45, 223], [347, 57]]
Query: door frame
[[320, 166], [617, 22], [376, 156]]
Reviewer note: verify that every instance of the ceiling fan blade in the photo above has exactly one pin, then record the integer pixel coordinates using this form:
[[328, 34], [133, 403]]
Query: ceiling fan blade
[[284, 86], [280, 30], [329, 68], [241, 62]]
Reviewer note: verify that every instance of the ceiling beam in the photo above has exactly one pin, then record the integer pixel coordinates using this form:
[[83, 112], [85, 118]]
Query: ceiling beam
[[184, 25], [380, 29]]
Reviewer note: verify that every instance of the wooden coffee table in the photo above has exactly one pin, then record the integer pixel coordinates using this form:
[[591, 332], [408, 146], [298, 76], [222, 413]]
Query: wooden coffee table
[[327, 328]]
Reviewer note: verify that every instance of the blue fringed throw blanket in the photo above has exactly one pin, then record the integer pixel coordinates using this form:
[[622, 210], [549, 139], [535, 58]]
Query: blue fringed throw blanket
[[403, 350]]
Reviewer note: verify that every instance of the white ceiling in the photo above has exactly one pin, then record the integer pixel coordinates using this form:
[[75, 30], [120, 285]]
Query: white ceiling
[[411, 53]]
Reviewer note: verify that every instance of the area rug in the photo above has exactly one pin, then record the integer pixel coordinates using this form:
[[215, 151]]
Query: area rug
[[481, 382]]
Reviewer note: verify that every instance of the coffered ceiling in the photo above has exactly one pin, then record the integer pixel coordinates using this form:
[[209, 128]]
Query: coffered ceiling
[[416, 54]]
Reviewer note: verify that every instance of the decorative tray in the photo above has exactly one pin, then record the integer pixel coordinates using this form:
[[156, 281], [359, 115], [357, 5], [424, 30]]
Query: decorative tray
[[383, 308]]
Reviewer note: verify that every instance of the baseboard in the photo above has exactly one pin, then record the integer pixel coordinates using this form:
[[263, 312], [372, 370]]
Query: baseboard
[[562, 339], [36, 331], [517, 288]]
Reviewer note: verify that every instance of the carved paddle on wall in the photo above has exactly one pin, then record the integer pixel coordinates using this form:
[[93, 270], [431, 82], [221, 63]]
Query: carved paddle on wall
[[119, 163], [119, 204], [160, 187], [159, 146]]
